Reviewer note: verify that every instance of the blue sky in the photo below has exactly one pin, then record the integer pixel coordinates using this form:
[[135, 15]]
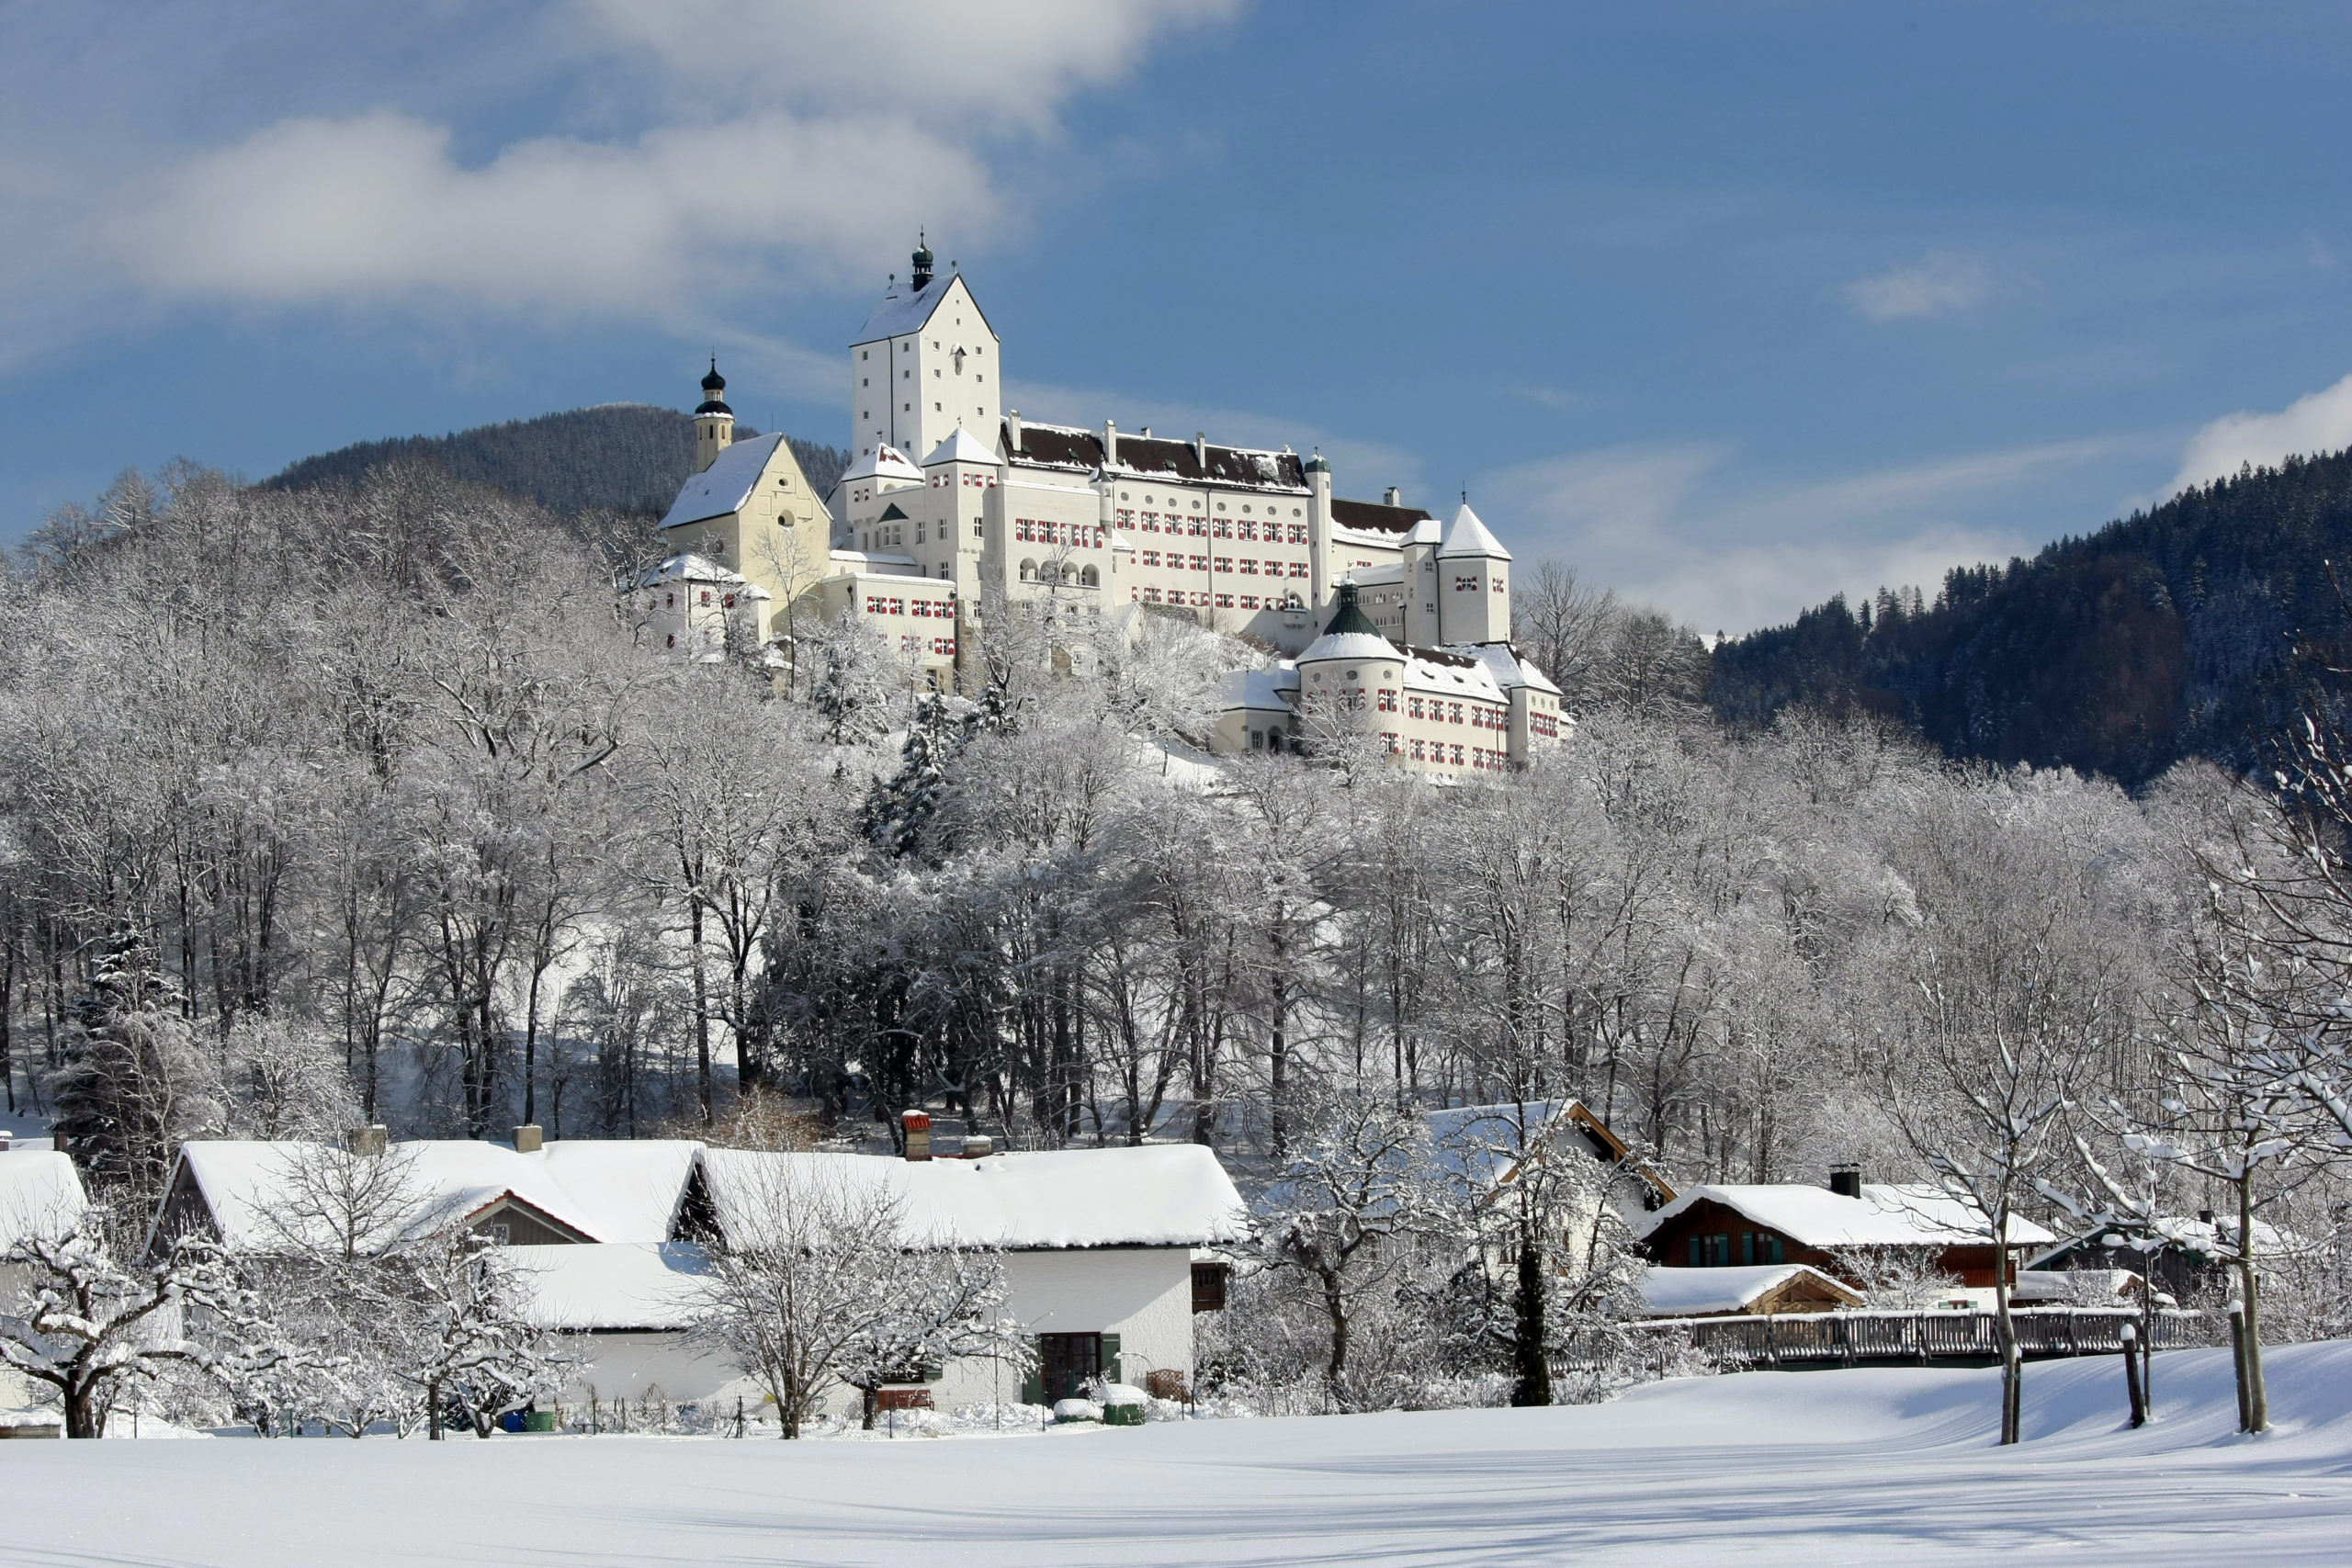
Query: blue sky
[[1730, 306]]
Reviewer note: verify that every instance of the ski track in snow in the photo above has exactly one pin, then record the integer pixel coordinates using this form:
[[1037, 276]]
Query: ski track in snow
[[1867, 1467]]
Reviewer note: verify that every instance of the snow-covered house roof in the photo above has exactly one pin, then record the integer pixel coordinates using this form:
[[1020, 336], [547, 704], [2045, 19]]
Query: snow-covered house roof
[[1700, 1293], [1484, 1144], [1884, 1216], [880, 563], [40, 1194], [1155, 1195], [598, 1190], [692, 568], [1262, 690], [611, 1286], [961, 446], [724, 486], [2203, 1238], [1468, 536]]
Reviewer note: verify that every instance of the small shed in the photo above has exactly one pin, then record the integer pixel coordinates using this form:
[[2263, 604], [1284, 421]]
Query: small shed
[[1765, 1289]]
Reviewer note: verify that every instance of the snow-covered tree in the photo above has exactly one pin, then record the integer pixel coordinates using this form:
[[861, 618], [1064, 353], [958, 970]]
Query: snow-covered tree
[[821, 1285], [91, 1320]]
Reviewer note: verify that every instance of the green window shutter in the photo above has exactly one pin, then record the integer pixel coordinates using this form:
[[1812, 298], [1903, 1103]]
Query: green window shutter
[[1111, 1357], [1033, 1386]]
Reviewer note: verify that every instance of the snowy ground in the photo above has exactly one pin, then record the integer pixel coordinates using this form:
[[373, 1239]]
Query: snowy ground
[[1820, 1468]]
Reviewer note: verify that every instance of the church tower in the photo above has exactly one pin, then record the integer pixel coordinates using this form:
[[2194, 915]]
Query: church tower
[[713, 420]]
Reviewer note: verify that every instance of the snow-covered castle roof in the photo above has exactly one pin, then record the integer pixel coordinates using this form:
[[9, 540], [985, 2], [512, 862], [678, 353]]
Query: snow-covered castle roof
[[960, 447], [1468, 536], [724, 486]]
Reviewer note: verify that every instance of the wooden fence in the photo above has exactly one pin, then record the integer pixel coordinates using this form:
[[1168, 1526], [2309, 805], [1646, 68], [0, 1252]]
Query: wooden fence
[[1884, 1338]]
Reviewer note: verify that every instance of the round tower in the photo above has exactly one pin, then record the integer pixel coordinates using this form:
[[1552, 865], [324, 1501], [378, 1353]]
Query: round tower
[[713, 420]]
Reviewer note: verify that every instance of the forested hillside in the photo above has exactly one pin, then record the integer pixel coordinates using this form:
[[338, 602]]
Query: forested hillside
[[2168, 633], [619, 457]]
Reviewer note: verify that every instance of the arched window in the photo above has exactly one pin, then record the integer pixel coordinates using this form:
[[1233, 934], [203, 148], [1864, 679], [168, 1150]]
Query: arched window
[[1091, 578], [1028, 572]]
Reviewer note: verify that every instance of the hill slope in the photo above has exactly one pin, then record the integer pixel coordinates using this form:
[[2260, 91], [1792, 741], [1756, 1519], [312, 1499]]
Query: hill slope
[[2165, 635], [622, 457]]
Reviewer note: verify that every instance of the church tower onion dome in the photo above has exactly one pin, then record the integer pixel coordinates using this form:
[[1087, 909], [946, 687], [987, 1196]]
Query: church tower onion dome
[[1468, 536], [712, 386], [1351, 633]]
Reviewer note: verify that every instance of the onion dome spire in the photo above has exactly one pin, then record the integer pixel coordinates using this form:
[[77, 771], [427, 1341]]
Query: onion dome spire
[[713, 385]]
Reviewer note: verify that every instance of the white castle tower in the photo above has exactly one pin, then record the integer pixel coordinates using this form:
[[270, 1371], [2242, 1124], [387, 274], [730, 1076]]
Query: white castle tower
[[1472, 583], [924, 365]]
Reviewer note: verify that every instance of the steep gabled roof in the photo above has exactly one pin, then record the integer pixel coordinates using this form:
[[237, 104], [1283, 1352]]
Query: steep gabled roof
[[1468, 536], [605, 1190], [724, 486], [905, 309]]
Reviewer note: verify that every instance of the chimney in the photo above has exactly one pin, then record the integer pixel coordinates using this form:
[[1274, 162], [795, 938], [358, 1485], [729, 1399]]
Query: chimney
[[370, 1140], [1201, 449], [1013, 426], [1392, 496], [1109, 442], [917, 1129], [1845, 1181], [1146, 432], [978, 1145], [527, 1138]]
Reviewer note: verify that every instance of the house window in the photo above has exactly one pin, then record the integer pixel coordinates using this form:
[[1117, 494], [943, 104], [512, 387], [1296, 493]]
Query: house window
[[1067, 1362], [1710, 1251], [1208, 1279]]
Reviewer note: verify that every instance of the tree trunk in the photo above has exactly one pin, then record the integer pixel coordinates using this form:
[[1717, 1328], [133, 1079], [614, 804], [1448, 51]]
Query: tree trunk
[[83, 1417], [2006, 1337], [2258, 1397], [1529, 1352], [702, 1007]]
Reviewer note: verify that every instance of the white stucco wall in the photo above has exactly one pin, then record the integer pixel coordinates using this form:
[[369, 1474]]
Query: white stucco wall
[[1142, 1295], [626, 1365]]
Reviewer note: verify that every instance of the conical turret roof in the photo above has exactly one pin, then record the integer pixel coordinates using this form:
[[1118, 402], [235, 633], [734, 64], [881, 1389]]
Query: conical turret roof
[[1468, 536], [1351, 633]]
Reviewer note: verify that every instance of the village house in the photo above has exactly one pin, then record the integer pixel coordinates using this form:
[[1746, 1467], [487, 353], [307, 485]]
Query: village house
[[614, 1236], [1764, 1289], [40, 1194], [1784, 1223]]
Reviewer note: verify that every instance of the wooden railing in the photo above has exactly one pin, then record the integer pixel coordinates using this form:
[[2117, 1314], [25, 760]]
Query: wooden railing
[[1889, 1338]]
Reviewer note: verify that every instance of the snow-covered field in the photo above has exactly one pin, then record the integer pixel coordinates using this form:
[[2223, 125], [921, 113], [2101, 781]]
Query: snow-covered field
[[1818, 1468]]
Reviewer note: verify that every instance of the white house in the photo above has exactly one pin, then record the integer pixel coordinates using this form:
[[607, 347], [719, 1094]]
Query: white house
[[40, 1194], [611, 1237], [1097, 1246]]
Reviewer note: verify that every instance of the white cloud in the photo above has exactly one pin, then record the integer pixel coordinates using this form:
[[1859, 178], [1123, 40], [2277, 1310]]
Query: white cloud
[[937, 62], [674, 162], [1676, 525], [1937, 284], [377, 208], [2321, 422]]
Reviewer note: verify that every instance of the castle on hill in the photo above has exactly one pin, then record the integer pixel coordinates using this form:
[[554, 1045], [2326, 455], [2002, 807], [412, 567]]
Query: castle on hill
[[1393, 625]]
